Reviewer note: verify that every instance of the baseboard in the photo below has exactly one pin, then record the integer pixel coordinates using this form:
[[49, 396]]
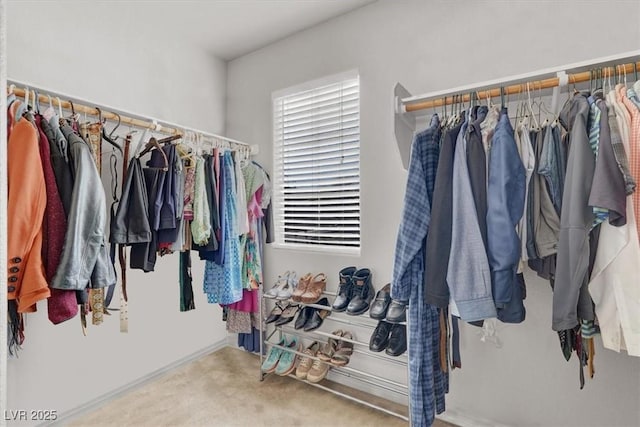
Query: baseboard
[[461, 420], [98, 402]]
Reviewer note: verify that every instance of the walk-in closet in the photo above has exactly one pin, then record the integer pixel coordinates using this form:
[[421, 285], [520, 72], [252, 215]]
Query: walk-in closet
[[320, 213]]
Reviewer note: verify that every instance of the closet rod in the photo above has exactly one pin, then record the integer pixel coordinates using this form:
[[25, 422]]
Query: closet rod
[[551, 82], [109, 113]]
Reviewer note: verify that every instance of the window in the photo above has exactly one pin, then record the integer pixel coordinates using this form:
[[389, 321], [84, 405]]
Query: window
[[317, 165]]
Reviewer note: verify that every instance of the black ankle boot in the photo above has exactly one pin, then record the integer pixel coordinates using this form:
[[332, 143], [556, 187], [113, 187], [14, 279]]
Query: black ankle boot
[[345, 290], [362, 292]]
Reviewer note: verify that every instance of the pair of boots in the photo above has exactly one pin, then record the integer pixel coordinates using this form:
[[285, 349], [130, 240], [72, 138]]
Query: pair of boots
[[355, 292]]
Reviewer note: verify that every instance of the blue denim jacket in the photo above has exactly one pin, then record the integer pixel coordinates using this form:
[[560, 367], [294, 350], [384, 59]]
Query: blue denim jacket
[[505, 203]]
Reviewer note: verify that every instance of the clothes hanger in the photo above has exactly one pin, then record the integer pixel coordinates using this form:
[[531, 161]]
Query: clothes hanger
[[74, 116], [542, 107], [36, 101], [170, 139], [110, 138], [533, 116], [59, 107], [150, 145]]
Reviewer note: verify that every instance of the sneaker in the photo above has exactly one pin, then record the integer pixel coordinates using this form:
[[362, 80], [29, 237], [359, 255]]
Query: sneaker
[[306, 361], [271, 362], [288, 358], [318, 371]]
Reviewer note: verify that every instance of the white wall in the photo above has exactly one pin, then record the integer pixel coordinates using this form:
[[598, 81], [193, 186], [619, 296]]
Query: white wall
[[431, 46], [59, 368]]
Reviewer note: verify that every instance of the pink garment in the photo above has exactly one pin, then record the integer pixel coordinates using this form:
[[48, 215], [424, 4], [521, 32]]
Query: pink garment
[[254, 205], [249, 302], [634, 147]]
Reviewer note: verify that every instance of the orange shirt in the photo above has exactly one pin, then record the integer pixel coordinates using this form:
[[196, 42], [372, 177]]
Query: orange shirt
[[25, 210]]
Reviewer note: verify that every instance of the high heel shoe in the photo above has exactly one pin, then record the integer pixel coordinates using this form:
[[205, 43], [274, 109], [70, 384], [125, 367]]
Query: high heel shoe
[[315, 289], [301, 288], [282, 281]]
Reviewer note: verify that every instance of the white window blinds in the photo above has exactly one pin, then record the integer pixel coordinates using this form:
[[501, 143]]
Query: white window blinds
[[317, 166]]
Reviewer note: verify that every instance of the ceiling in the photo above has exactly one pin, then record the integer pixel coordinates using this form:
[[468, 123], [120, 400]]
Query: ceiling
[[225, 28]]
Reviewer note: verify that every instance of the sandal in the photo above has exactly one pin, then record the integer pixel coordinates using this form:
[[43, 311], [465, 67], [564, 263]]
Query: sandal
[[343, 351], [303, 283], [280, 284], [284, 293], [275, 313], [330, 347], [315, 289], [288, 314]]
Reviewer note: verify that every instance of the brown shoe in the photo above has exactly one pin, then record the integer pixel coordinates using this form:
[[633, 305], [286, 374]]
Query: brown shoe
[[326, 353], [318, 371], [344, 350], [301, 288], [306, 361], [315, 289]]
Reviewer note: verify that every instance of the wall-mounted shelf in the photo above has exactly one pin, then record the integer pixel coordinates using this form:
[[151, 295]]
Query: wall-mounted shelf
[[408, 107]]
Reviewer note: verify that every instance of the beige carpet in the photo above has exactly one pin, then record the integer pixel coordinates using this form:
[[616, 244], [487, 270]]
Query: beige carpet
[[223, 389]]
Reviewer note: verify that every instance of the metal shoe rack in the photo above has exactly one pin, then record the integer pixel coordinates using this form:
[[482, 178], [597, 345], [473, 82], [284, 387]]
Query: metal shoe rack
[[360, 348]]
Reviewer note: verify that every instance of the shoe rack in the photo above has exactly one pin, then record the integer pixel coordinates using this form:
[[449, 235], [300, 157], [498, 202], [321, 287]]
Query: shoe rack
[[272, 334]]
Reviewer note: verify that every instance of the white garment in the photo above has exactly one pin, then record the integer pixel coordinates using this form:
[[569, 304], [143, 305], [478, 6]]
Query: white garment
[[615, 285], [615, 280], [241, 200], [622, 114]]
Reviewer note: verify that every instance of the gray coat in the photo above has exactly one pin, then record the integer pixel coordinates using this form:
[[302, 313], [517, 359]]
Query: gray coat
[[85, 259], [546, 222], [468, 274], [571, 295]]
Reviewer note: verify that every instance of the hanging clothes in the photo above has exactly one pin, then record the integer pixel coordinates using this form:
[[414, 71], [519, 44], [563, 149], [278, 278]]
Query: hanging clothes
[[477, 166], [26, 205], [571, 298], [469, 281], [131, 225], [546, 220], [223, 283], [207, 250], [166, 221], [85, 259], [506, 196], [438, 243], [62, 304], [427, 382], [632, 121], [614, 280], [144, 255], [201, 225]]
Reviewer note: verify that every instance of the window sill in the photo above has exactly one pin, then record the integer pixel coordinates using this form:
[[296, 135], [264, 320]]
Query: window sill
[[329, 250]]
